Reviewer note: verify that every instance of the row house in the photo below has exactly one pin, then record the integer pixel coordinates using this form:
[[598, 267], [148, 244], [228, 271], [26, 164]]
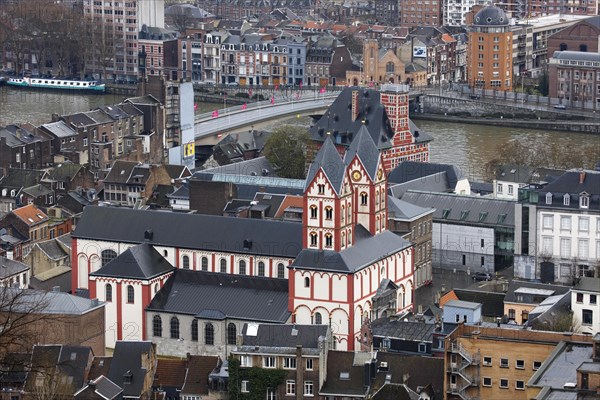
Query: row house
[[151, 43], [183, 56], [22, 146], [128, 182], [327, 61], [211, 59], [575, 77], [28, 222], [12, 186]]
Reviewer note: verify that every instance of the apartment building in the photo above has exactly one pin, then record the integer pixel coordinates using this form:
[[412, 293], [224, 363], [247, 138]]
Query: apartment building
[[119, 25], [585, 305], [497, 363], [490, 50]]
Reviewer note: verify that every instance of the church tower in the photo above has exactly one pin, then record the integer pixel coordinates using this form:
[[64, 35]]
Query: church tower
[[369, 185], [370, 60], [327, 220]]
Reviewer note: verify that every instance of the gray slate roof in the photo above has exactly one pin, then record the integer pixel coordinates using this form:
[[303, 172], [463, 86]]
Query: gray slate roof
[[437, 182], [471, 210], [365, 251], [368, 154], [329, 160], [403, 210], [406, 330], [137, 262], [60, 129], [54, 302], [218, 296], [576, 56], [127, 356], [52, 249], [411, 170], [277, 335], [11, 267], [191, 231], [588, 284], [511, 296]]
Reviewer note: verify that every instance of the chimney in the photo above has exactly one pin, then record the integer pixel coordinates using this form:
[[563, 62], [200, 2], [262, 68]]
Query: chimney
[[354, 105], [581, 177]]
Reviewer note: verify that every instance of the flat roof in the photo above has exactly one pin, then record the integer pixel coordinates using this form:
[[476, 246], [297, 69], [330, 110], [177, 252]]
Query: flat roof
[[527, 290]]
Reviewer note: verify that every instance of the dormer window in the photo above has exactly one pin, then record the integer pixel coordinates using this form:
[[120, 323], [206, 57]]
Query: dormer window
[[566, 200], [548, 198], [127, 377], [584, 200]]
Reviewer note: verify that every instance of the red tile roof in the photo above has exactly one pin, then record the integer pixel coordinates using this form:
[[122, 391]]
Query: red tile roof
[[199, 367], [31, 215], [170, 373]]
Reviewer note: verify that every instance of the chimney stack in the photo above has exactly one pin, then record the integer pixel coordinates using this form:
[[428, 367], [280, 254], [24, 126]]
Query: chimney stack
[[581, 177]]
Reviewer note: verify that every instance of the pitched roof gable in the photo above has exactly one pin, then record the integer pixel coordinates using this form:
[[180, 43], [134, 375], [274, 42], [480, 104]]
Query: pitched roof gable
[[364, 148], [138, 262], [329, 160], [31, 215]]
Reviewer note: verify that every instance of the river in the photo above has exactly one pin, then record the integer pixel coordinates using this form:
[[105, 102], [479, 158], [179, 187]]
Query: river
[[465, 145]]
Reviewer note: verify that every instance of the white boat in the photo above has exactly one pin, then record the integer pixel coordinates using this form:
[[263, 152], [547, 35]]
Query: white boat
[[53, 83]]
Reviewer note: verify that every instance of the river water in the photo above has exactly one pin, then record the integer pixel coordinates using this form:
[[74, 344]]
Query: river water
[[465, 145]]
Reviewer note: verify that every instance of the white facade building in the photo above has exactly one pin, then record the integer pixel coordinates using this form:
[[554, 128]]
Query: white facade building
[[585, 304]]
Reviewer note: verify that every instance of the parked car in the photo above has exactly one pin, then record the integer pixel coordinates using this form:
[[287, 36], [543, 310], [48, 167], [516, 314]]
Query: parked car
[[475, 96], [560, 107], [482, 276]]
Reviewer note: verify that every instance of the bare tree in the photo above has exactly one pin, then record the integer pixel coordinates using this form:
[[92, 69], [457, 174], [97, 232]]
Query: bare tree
[[180, 18]]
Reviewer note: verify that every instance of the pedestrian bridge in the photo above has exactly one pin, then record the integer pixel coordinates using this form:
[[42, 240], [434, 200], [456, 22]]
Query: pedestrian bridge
[[209, 127]]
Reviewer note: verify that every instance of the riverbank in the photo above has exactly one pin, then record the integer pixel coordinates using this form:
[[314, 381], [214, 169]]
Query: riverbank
[[592, 127]]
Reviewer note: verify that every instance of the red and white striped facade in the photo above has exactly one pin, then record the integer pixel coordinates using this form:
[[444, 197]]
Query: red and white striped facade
[[340, 299]]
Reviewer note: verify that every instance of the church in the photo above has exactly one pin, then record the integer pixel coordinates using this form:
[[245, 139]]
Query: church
[[333, 262]]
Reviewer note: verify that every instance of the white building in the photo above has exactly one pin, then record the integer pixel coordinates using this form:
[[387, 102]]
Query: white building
[[585, 304]]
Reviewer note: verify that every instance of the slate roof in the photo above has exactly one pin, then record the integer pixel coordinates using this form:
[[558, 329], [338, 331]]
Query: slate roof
[[411, 170], [277, 335], [588, 284], [127, 357], [470, 210], [11, 267], [37, 191], [364, 252], [177, 171], [100, 366], [568, 183], [137, 262], [402, 210], [65, 360], [208, 232], [342, 362], [54, 302], [59, 129], [462, 304], [196, 379], [338, 119], [514, 173], [329, 160], [52, 249], [20, 178], [576, 56], [514, 285], [437, 183], [268, 202], [55, 277], [561, 365], [63, 172], [492, 304], [368, 154], [406, 330], [420, 371], [219, 296], [106, 388], [395, 391], [182, 192]]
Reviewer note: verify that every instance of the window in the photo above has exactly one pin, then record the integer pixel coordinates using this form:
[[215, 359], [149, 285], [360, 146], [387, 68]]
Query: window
[[548, 198], [587, 317], [209, 334], [313, 212], [313, 239], [308, 388], [269, 362], [566, 199], [328, 213], [520, 364], [583, 249], [245, 387], [194, 330], [318, 318], [364, 197], [271, 394], [511, 189], [290, 388], [174, 328], [580, 297], [520, 385], [186, 262], [504, 363], [242, 267], [280, 271], [499, 188], [261, 268], [565, 247], [321, 189], [108, 256], [231, 333], [584, 224], [223, 265], [487, 361], [487, 382], [204, 264], [565, 223], [504, 383], [422, 348], [157, 326], [289, 363], [328, 240], [108, 294], [593, 299], [130, 294], [309, 364], [537, 365], [547, 245], [306, 282], [584, 201], [245, 361]]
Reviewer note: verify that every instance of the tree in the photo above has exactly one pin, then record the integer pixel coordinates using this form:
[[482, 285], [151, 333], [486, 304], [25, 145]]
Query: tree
[[286, 151], [561, 321], [544, 83], [181, 18]]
